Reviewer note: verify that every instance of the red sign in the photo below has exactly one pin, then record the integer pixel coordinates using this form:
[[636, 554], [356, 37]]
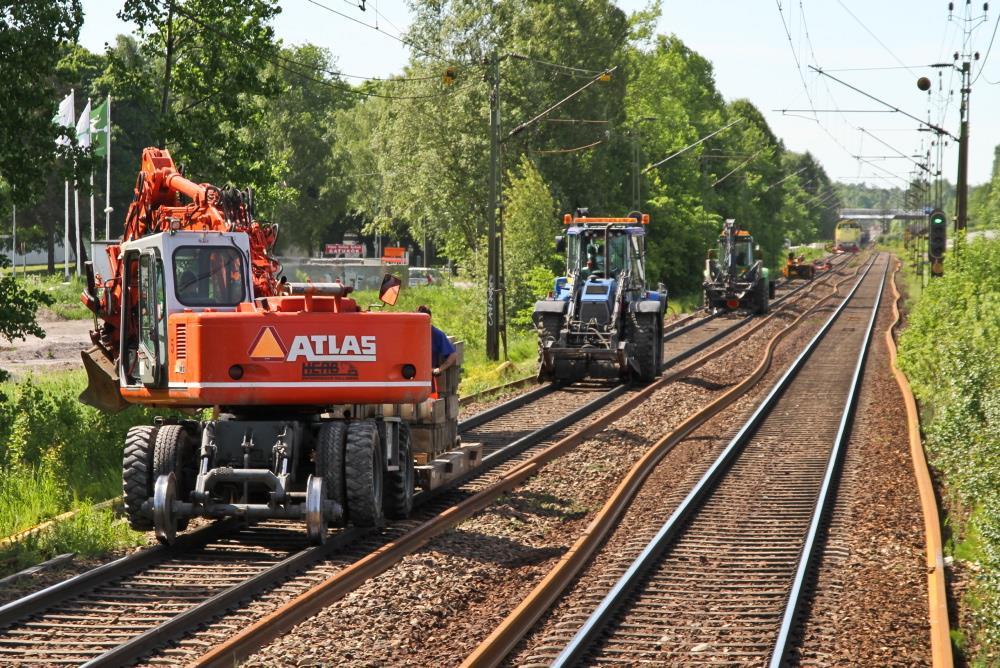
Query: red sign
[[394, 255], [344, 250]]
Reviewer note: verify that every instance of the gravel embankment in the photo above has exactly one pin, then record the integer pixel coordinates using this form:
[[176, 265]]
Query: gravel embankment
[[437, 604]]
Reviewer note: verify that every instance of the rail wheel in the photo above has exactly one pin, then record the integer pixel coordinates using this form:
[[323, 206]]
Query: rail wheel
[[173, 453], [398, 498], [330, 459], [363, 471], [137, 475]]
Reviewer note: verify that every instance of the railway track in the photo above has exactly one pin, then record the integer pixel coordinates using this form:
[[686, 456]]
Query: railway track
[[125, 610], [723, 580]]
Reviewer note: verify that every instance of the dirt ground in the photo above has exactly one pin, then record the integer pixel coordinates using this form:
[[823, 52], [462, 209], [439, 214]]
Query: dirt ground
[[58, 351]]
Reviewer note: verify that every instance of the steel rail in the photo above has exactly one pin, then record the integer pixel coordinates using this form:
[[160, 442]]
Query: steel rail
[[495, 648], [307, 604], [651, 553], [156, 636], [937, 596], [827, 493]]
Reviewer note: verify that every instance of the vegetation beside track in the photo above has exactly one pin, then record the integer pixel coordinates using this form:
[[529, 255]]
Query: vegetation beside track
[[948, 351], [57, 454]]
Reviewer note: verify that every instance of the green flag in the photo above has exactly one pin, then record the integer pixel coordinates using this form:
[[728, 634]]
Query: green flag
[[100, 122]]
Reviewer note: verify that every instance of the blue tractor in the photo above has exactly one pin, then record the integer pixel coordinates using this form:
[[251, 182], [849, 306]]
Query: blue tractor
[[601, 320]]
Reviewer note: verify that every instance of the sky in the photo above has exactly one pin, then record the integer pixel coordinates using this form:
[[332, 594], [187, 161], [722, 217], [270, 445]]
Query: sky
[[761, 50]]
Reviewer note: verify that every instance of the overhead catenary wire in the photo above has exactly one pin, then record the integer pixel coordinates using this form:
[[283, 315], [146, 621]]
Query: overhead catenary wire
[[569, 150], [288, 65], [989, 50], [691, 146], [893, 148], [875, 37], [740, 166], [526, 124]]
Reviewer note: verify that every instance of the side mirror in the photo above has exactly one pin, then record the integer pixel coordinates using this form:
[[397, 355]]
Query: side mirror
[[389, 292], [560, 244]]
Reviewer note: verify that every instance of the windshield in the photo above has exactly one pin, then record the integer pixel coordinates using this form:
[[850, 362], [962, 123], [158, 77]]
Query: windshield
[[742, 252], [209, 276], [586, 253]]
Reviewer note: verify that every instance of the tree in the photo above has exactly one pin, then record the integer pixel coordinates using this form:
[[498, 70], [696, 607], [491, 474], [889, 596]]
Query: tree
[[301, 130], [18, 305], [530, 226], [31, 35], [204, 77]]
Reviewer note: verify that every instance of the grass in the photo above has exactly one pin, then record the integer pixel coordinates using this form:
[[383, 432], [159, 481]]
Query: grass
[[91, 532], [67, 305]]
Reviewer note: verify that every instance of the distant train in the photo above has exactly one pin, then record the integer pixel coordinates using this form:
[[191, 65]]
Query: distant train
[[849, 237]]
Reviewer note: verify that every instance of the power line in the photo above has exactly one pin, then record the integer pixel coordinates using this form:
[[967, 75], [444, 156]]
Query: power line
[[739, 167], [284, 63], [691, 146], [523, 126], [982, 65], [875, 37], [569, 150], [401, 40]]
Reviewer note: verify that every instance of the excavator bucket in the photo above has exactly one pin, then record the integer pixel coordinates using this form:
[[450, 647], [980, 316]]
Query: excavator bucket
[[102, 382]]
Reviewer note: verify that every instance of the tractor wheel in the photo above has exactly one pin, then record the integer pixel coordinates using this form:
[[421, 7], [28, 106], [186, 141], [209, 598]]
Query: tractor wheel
[[363, 471], [547, 326], [173, 453], [644, 334], [330, 459], [137, 480], [770, 289], [760, 297], [398, 497]]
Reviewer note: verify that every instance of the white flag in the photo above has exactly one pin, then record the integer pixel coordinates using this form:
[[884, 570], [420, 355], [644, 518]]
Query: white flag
[[83, 127], [65, 117]]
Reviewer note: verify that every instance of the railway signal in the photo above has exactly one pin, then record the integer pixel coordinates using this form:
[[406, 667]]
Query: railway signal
[[937, 240]]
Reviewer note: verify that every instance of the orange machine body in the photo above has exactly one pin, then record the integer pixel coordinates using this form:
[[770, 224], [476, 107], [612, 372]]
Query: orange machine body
[[286, 356]]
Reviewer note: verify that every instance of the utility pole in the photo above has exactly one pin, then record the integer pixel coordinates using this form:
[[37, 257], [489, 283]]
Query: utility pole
[[494, 276], [165, 101], [962, 189]]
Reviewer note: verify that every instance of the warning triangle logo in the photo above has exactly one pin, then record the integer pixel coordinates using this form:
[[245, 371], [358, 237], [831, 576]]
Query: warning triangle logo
[[267, 347]]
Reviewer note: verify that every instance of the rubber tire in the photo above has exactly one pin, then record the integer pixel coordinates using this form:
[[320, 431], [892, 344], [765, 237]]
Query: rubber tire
[[548, 328], [330, 446], [771, 288], [761, 306], [647, 346], [137, 480], [397, 494], [363, 474], [173, 453]]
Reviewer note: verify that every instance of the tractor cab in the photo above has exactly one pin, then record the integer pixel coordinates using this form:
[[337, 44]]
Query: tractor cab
[[735, 275], [601, 321], [170, 273]]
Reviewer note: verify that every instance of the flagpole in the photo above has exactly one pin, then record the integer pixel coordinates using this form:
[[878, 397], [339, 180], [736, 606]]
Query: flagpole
[[76, 207], [66, 235], [107, 182], [13, 242]]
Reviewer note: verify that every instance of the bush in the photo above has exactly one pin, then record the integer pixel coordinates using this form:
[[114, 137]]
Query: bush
[[949, 353], [55, 450]]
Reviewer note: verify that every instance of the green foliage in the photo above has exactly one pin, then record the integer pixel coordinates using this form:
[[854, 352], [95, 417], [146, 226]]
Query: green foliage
[[90, 532], [63, 298], [949, 353], [215, 88], [55, 450], [531, 223], [18, 304], [31, 34]]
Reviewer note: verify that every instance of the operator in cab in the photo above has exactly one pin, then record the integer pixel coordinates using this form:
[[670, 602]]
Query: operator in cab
[[443, 352]]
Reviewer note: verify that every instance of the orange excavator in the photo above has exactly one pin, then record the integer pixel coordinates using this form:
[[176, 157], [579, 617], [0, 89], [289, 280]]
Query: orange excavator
[[194, 315]]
